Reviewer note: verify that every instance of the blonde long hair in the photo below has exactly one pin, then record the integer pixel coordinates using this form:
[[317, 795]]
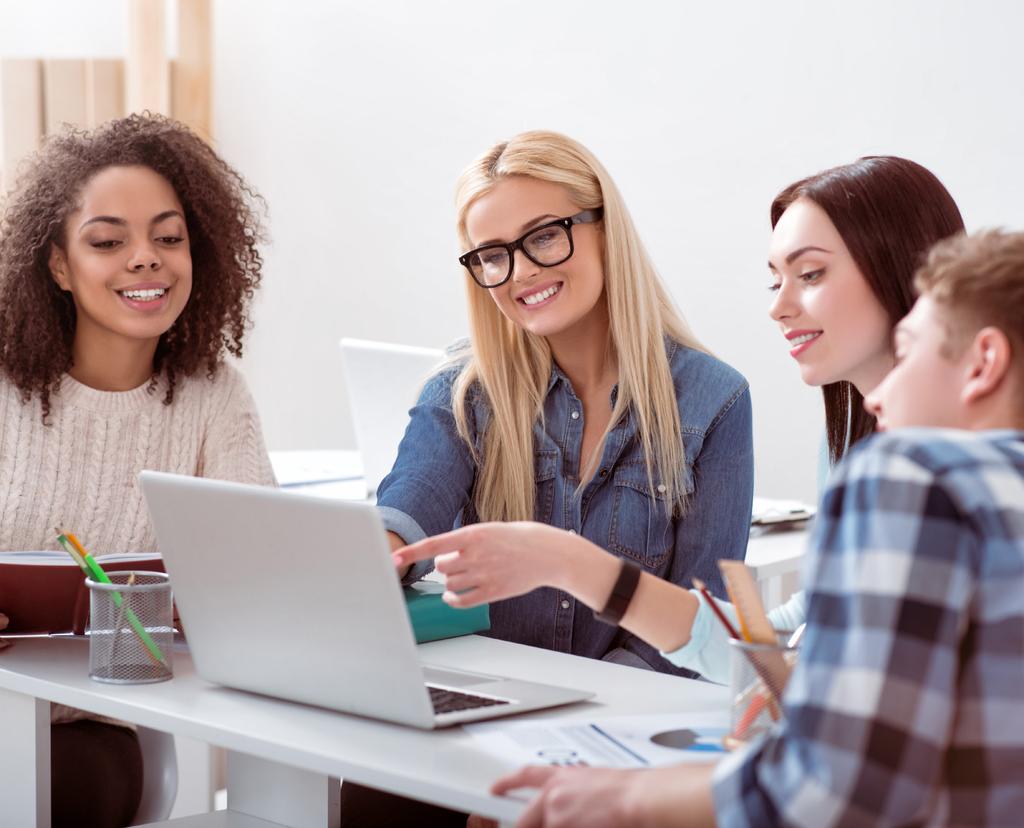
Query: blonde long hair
[[513, 367]]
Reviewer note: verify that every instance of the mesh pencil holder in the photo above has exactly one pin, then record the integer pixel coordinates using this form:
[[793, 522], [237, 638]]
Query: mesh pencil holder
[[130, 628], [759, 673]]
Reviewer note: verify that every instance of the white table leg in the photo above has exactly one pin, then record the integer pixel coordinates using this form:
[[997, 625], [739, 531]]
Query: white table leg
[[196, 777], [282, 794], [771, 591], [25, 760]]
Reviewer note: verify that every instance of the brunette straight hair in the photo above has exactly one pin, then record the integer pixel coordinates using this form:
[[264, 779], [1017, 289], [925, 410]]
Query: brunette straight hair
[[889, 212]]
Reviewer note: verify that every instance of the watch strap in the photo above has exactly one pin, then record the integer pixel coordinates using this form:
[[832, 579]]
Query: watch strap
[[622, 594]]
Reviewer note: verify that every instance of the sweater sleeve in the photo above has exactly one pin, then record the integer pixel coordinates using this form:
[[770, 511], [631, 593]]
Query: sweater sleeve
[[232, 445], [707, 652]]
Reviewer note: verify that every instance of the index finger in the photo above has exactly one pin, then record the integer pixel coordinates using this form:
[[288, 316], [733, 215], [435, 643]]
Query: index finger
[[532, 776], [431, 547]]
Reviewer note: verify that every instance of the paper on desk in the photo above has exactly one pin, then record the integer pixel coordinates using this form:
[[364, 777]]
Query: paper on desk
[[612, 742], [335, 489], [767, 511], [299, 468]]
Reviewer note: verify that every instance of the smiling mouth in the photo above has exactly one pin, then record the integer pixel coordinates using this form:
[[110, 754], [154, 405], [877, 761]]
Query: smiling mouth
[[803, 339], [541, 295], [147, 295]]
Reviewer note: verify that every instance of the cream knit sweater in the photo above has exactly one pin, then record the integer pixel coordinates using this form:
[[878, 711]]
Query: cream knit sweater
[[81, 472]]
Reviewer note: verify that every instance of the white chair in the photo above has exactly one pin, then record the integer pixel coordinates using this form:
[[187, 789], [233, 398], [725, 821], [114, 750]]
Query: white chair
[[159, 776]]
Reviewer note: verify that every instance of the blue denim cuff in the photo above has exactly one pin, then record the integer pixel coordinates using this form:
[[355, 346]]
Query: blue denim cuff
[[410, 531]]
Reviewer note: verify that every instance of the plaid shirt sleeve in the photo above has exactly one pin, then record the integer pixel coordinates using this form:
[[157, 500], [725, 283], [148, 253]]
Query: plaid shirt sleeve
[[871, 706]]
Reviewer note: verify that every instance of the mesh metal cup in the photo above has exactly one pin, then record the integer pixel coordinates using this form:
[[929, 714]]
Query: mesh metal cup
[[758, 679], [130, 628]]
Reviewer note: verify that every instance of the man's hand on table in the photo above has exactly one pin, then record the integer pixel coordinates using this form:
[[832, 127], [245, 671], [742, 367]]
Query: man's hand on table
[[671, 797]]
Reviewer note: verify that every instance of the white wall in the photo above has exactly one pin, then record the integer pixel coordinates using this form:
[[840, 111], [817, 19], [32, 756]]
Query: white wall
[[72, 28], [354, 119], [63, 28]]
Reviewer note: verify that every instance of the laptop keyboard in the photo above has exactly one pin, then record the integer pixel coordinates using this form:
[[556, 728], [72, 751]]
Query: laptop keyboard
[[452, 701]]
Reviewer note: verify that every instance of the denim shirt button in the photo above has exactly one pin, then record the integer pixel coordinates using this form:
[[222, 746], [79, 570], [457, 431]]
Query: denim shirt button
[[662, 488], [572, 531], [565, 604], [575, 415]]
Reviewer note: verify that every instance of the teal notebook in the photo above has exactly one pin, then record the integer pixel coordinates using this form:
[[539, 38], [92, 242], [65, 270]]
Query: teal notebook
[[433, 619]]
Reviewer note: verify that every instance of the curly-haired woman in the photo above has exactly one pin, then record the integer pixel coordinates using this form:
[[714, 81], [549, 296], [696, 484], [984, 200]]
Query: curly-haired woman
[[128, 259]]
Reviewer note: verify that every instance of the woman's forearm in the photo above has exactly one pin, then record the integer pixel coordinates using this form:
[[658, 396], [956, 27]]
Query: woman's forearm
[[660, 613]]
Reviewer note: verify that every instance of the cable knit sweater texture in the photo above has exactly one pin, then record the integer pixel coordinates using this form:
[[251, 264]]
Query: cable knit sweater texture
[[81, 471]]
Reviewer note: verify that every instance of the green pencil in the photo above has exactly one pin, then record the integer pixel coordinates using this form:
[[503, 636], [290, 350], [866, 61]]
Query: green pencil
[[94, 571]]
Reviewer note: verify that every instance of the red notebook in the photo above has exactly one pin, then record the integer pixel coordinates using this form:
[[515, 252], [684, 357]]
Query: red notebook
[[45, 592]]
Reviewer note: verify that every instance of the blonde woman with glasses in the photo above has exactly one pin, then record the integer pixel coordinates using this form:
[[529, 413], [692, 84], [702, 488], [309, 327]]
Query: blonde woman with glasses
[[582, 401]]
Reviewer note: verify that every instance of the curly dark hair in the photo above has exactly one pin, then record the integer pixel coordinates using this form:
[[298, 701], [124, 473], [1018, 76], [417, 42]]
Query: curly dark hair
[[223, 215]]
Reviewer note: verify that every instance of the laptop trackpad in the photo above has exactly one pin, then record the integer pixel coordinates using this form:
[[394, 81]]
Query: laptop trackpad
[[453, 678]]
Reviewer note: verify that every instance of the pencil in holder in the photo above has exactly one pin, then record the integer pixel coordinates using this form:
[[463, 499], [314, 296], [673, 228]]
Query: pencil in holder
[[759, 673], [130, 628]]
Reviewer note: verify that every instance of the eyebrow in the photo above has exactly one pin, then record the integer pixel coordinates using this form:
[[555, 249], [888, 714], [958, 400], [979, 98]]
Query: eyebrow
[[120, 222], [524, 228], [796, 254]]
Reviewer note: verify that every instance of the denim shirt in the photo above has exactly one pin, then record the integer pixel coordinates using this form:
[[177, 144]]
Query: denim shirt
[[429, 490]]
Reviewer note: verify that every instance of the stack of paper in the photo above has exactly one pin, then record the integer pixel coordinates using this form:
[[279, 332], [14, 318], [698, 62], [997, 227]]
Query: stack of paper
[[771, 512]]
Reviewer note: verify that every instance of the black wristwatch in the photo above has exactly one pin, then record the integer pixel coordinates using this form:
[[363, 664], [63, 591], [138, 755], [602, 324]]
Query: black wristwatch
[[622, 594]]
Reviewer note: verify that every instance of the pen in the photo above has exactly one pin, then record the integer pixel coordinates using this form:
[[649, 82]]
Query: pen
[[769, 697], [118, 622], [697, 582], [759, 700], [66, 544], [75, 549]]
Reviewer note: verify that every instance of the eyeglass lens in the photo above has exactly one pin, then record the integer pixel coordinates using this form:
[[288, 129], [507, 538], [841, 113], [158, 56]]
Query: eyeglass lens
[[546, 246]]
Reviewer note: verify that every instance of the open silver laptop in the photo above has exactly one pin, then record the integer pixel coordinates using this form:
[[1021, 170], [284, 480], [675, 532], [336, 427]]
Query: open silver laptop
[[296, 597], [383, 382]]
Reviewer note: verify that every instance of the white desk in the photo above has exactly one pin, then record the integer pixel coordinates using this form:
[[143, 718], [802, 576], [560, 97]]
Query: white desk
[[284, 759], [777, 559]]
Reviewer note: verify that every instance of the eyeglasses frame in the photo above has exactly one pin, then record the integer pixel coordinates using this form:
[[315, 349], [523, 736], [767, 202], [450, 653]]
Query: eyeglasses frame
[[583, 217]]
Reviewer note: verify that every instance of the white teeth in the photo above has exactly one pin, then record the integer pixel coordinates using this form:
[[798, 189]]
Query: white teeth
[[534, 298], [144, 295], [800, 340]]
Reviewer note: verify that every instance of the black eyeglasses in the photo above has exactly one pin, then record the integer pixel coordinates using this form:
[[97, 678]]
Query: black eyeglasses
[[548, 245]]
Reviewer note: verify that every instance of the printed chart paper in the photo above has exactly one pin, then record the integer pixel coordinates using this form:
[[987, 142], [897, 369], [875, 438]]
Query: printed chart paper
[[614, 742]]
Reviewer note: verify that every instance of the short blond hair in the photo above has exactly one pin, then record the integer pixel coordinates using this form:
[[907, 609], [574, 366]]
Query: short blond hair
[[978, 280]]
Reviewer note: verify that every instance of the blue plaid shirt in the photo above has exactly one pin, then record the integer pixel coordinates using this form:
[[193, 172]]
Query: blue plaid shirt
[[906, 704]]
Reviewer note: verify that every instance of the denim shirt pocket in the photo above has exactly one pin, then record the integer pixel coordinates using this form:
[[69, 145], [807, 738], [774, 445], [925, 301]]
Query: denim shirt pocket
[[642, 526], [545, 467]]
